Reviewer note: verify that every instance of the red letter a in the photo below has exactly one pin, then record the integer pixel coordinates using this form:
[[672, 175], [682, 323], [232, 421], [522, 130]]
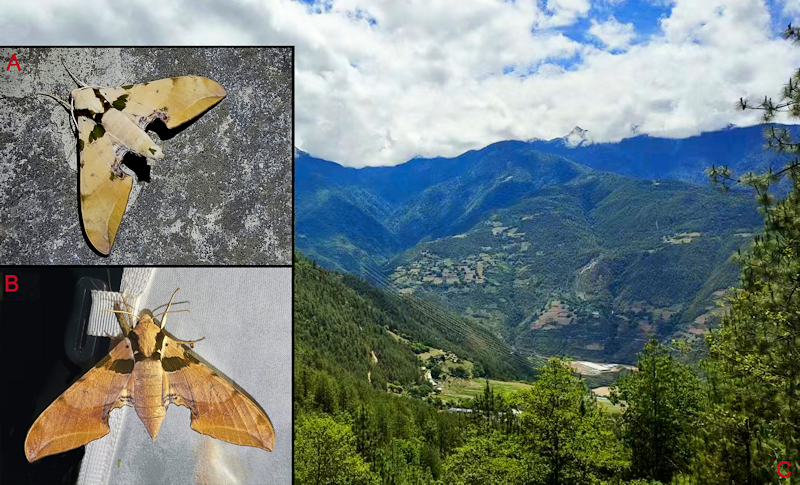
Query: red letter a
[[13, 62]]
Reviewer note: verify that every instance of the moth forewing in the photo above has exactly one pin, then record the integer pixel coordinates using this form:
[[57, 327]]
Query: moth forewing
[[80, 414]]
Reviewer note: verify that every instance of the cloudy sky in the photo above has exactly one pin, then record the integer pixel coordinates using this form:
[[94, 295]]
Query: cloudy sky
[[382, 81]]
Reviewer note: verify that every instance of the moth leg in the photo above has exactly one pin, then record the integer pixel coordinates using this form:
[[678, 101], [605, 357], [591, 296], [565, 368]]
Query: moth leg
[[127, 307], [70, 107], [190, 342], [121, 316], [72, 112], [122, 312]]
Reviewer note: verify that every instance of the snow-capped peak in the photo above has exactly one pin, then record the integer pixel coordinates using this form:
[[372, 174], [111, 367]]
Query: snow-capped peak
[[577, 137]]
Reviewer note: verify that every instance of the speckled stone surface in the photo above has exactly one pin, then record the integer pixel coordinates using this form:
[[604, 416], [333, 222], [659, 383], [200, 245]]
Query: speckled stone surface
[[222, 194]]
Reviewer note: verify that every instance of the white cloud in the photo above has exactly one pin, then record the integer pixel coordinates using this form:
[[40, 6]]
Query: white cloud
[[426, 78], [612, 33], [791, 8], [723, 24], [564, 12]]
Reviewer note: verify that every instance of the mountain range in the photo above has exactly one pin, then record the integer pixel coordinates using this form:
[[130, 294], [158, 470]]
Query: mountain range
[[564, 246]]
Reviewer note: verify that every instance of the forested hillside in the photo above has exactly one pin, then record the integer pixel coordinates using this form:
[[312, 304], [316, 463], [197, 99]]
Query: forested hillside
[[590, 269], [365, 415], [341, 324], [344, 362]]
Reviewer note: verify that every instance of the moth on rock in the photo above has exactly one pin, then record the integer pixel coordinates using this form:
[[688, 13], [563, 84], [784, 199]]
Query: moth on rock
[[149, 370], [110, 123]]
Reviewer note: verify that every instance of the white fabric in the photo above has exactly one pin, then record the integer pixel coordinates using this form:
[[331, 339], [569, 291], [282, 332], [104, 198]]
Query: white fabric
[[101, 322], [245, 315], [135, 282]]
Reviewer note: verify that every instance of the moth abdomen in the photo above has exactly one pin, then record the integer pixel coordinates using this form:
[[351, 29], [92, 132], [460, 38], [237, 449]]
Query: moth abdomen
[[129, 134]]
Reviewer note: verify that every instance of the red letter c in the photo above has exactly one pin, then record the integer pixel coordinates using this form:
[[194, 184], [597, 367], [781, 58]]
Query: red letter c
[[788, 473]]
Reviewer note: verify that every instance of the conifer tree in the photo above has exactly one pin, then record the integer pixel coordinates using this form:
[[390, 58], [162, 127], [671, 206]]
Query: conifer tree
[[325, 453], [662, 402], [564, 428], [754, 364]]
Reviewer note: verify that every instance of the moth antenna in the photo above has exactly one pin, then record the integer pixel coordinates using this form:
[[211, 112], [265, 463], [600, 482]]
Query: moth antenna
[[83, 85], [72, 112], [173, 311], [164, 320], [120, 311], [66, 105], [190, 342], [125, 302]]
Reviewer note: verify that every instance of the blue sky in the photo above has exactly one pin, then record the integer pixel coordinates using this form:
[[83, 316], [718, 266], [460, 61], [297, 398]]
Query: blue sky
[[381, 81]]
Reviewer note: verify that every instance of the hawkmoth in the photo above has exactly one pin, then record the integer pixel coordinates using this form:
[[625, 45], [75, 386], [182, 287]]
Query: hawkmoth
[[148, 370], [110, 122]]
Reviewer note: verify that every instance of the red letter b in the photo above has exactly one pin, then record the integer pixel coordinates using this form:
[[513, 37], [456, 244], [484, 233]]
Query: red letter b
[[11, 282]]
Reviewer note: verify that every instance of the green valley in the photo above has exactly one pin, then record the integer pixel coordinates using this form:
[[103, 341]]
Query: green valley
[[549, 255]]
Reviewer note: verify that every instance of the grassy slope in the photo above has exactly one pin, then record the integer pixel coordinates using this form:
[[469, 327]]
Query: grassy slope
[[455, 389]]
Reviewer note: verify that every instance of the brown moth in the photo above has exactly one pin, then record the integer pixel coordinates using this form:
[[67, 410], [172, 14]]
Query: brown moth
[[148, 370], [110, 122]]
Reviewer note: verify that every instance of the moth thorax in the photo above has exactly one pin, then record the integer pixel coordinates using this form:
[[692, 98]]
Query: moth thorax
[[150, 337], [85, 98]]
